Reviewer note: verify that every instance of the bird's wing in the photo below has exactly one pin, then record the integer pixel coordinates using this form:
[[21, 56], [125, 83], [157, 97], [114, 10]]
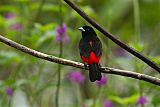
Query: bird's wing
[[97, 46], [84, 48]]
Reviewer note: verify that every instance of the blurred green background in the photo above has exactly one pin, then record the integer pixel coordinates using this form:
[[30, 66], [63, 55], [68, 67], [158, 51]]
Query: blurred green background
[[26, 81]]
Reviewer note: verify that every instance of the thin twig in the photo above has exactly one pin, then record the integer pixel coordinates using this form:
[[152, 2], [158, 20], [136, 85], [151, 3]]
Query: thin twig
[[112, 37], [62, 61]]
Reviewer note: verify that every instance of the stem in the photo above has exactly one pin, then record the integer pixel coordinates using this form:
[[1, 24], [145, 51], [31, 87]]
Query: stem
[[37, 14], [61, 13], [96, 97], [137, 34], [78, 96], [39, 10], [60, 55], [59, 76], [136, 19]]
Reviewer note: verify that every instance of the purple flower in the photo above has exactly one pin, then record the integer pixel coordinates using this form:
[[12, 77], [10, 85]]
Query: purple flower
[[61, 33], [9, 15], [16, 26], [66, 38], [103, 80], [84, 105], [76, 76], [58, 38], [61, 29], [142, 100], [107, 103], [9, 91]]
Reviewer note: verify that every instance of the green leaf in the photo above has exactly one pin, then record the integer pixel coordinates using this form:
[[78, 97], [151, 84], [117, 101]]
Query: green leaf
[[22, 1], [49, 26], [87, 9], [156, 100], [7, 57], [2, 20], [10, 82], [5, 8], [156, 59], [38, 26], [48, 36], [44, 28], [138, 46], [126, 100], [48, 7]]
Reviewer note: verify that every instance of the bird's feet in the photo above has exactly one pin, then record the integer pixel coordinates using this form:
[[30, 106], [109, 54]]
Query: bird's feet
[[99, 65], [86, 66]]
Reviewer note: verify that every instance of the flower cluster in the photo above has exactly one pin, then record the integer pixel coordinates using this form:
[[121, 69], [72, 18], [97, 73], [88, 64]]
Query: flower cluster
[[61, 33], [84, 105], [107, 103], [16, 25], [9, 15], [103, 80], [76, 76], [142, 100], [9, 91]]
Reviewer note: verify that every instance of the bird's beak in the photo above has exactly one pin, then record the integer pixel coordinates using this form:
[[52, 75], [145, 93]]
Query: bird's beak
[[81, 29]]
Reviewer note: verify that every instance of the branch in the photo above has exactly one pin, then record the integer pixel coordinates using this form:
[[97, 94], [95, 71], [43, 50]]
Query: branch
[[51, 58], [112, 37]]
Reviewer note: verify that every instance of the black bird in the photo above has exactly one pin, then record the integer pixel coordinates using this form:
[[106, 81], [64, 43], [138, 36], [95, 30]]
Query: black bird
[[91, 51]]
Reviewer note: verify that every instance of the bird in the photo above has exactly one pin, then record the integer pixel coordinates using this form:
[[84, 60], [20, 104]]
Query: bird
[[90, 48]]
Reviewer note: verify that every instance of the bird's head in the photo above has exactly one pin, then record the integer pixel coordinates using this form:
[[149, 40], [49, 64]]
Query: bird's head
[[87, 31]]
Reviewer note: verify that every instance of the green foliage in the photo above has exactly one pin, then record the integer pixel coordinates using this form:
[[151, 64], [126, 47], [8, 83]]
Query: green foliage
[[156, 59], [34, 25], [7, 58], [125, 101]]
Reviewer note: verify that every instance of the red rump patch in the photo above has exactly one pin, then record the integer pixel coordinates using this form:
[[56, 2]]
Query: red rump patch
[[92, 58]]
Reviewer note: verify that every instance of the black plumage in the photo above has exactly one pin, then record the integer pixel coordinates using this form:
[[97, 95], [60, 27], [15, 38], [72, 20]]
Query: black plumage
[[90, 46]]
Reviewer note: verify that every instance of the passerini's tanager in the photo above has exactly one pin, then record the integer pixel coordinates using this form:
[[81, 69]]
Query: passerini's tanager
[[91, 51]]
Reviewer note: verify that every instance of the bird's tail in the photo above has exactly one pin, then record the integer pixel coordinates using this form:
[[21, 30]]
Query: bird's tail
[[94, 72]]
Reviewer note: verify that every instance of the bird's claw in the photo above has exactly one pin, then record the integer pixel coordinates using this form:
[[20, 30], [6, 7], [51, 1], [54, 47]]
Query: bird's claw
[[86, 66], [99, 65]]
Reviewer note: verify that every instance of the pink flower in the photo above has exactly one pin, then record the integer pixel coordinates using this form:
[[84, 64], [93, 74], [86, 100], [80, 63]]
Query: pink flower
[[16, 26], [142, 100], [103, 80], [61, 33], [107, 103], [9, 15], [76, 76], [84, 105], [9, 91]]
